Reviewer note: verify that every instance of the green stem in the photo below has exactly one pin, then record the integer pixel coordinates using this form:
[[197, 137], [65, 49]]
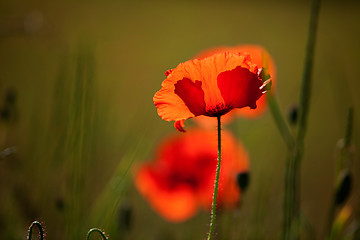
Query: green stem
[[292, 174], [330, 220], [213, 210], [279, 121], [41, 231], [95, 230], [292, 196], [349, 127], [305, 92], [342, 163]]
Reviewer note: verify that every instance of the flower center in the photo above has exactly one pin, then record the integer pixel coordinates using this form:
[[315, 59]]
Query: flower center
[[218, 110]]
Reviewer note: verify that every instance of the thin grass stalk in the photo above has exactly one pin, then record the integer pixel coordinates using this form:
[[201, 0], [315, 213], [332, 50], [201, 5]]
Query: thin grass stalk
[[292, 175], [280, 121], [77, 142], [213, 210], [342, 162], [305, 92]]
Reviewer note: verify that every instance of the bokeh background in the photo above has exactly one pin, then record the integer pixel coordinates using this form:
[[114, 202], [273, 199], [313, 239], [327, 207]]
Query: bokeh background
[[76, 85]]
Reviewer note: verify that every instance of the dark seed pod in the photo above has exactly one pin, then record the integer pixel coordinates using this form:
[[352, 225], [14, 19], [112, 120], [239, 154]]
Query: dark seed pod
[[293, 114], [5, 113], [60, 204], [10, 97], [343, 187], [125, 217], [243, 180]]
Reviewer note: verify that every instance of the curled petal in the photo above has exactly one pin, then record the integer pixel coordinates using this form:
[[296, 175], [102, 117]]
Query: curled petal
[[170, 106], [168, 72], [179, 125]]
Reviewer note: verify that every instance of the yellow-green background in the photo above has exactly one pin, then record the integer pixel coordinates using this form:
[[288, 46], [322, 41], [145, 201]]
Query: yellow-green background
[[84, 73]]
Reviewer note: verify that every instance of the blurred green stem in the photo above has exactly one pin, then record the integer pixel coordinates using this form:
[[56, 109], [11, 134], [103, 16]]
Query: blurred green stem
[[213, 210], [295, 153], [279, 121], [344, 156]]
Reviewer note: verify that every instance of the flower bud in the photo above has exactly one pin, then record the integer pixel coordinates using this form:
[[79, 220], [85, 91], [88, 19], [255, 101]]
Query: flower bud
[[243, 180], [343, 187], [125, 217], [293, 114]]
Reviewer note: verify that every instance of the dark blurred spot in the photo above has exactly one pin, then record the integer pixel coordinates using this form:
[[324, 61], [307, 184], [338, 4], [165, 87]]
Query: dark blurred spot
[[125, 217], [8, 107], [343, 187], [243, 180], [60, 204], [293, 114], [5, 113], [10, 96]]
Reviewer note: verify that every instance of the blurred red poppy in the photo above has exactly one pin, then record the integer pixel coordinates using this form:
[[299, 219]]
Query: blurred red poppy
[[210, 86], [181, 178], [261, 58]]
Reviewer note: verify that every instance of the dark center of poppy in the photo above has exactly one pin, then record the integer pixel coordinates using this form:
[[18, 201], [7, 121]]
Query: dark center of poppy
[[218, 110]]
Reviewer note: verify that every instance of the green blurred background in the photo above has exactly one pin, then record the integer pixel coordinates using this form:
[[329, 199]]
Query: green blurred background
[[76, 85]]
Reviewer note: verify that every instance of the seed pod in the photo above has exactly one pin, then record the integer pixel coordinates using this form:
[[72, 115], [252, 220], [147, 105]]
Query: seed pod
[[243, 180], [125, 217], [293, 114], [343, 187]]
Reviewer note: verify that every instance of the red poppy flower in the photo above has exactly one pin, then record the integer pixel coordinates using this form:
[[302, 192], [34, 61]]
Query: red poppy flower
[[261, 58], [181, 179], [210, 86]]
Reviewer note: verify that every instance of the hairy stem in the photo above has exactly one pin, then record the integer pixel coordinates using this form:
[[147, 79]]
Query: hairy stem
[[102, 234], [41, 231], [213, 210]]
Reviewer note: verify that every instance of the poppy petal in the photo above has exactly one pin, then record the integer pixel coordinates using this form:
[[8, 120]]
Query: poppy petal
[[170, 106], [261, 58], [240, 87], [181, 178], [192, 95], [179, 125], [175, 206]]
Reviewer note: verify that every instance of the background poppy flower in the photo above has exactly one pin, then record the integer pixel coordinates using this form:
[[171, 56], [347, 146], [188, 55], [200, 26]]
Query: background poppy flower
[[261, 58], [210, 86], [181, 179]]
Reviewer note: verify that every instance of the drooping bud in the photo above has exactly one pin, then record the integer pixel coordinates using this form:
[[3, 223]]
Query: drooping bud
[[125, 217], [293, 114], [343, 187], [10, 96], [243, 180]]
